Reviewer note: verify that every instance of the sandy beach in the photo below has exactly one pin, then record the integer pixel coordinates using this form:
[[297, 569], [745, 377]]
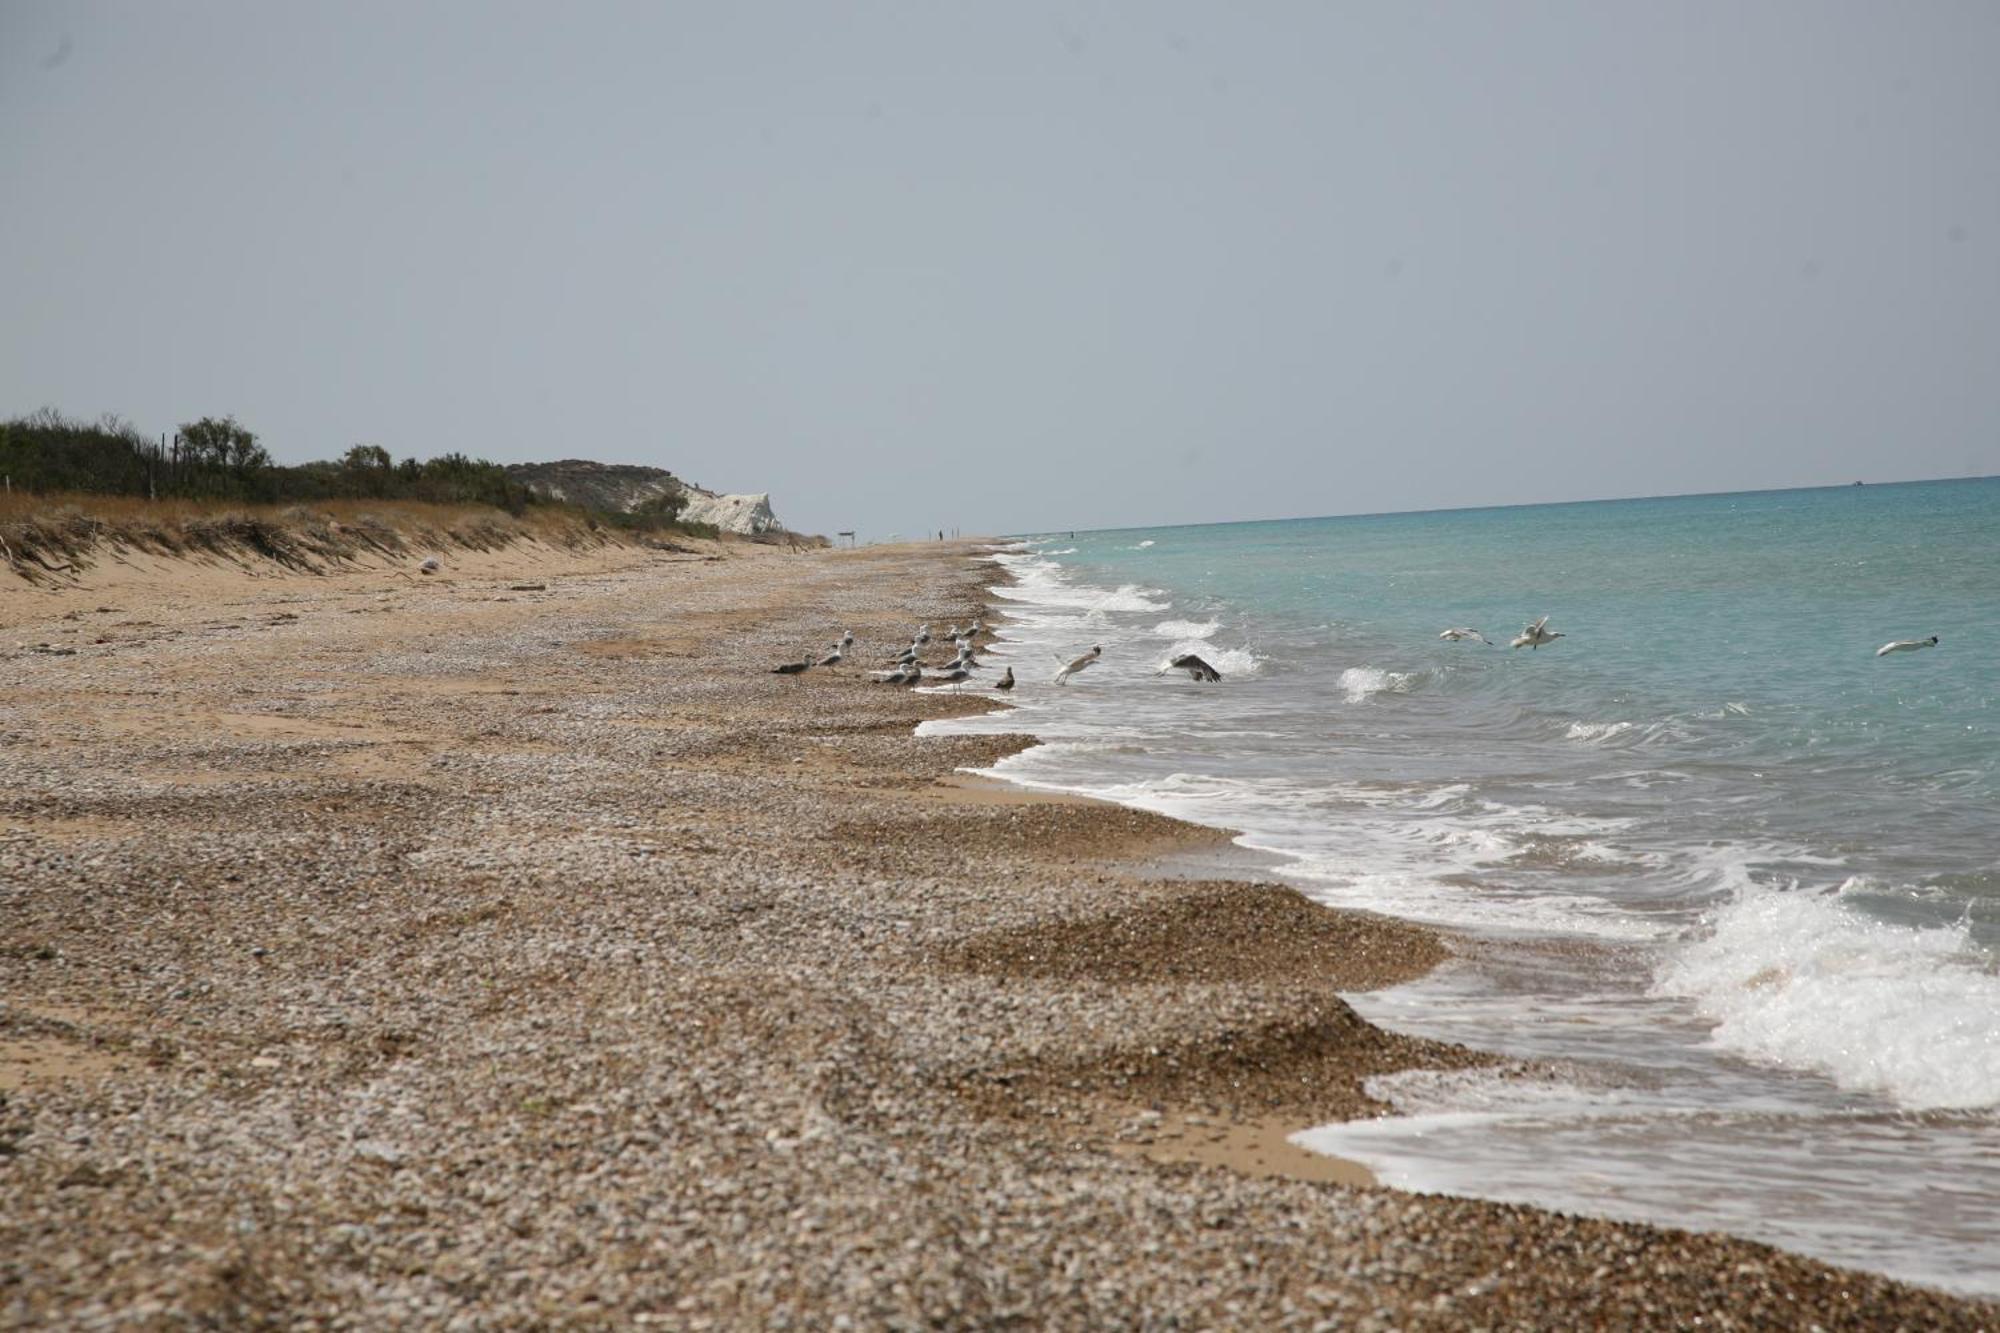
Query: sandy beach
[[509, 948]]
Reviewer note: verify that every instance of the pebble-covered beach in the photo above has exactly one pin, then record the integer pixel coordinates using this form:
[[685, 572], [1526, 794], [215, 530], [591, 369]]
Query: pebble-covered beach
[[509, 948]]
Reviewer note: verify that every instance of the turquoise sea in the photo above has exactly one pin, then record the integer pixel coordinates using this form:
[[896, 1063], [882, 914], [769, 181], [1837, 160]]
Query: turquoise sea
[[1732, 876]]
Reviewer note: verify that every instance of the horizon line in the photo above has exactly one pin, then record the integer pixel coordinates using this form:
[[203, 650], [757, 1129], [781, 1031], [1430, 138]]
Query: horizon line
[[1520, 504]]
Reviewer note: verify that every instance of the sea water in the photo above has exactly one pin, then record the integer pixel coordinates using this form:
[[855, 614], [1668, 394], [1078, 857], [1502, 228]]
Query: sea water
[[1728, 882]]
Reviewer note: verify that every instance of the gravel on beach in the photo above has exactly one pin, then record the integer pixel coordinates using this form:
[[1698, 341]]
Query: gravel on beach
[[383, 953]]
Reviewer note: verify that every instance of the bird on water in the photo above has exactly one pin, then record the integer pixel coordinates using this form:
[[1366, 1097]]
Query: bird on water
[[1535, 635], [1006, 681], [1194, 666], [1075, 665]]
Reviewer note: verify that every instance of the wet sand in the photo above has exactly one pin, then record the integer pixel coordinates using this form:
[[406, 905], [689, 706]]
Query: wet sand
[[393, 952]]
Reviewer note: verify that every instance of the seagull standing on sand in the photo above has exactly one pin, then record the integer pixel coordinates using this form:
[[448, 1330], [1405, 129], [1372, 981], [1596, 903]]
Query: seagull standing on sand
[[1006, 681], [846, 639], [923, 634], [832, 658], [797, 668], [1454, 635], [1079, 664], [1906, 646], [1535, 635], [1194, 666]]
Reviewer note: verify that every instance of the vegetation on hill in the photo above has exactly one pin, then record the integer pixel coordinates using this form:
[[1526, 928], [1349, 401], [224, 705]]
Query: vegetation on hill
[[74, 487], [612, 488], [218, 459]]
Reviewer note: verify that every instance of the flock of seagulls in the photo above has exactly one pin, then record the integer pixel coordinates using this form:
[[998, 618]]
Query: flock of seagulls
[[1537, 634], [907, 668], [1534, 635]]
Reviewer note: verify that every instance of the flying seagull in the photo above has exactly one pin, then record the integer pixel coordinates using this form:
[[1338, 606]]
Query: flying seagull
[[1078, 664], [1454, 635], [1194, 666], [1535, 635], [1006, 681], [1906, 646]]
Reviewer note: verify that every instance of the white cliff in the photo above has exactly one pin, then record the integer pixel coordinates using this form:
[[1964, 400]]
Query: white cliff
[[745, 514]]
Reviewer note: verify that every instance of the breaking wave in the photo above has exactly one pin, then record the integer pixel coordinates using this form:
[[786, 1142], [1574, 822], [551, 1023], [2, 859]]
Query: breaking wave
[[1362, 683], [1804, 979]]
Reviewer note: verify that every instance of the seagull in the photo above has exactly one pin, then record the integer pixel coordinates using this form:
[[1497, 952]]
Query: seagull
[[1194, 666], [832, 658], [1906, 646], [1006, 681], [954, 674], [846, 639], [977, 626], [903, 675], [792, 668], [431, 565], [1457, 634], [923, 634], [1078, 664], [952, 633], [907, 656], [1535, 635]]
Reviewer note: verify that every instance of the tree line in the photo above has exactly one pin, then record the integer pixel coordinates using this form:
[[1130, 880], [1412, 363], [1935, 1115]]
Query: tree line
[[216, 458]]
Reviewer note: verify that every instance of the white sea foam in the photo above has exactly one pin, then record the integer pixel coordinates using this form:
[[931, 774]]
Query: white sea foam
[[1360, 683], [1044, 583], [1186, 629], [1804, 979], [1420, 894], [1596, 731]]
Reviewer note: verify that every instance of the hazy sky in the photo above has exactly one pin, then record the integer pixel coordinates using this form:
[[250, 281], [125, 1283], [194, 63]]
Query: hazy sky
[[1014, 266]]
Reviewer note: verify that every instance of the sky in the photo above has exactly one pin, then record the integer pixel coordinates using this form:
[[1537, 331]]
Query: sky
[[1021, 267]]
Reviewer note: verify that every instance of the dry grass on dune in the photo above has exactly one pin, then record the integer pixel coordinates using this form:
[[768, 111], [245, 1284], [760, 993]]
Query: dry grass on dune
[[48, 536]]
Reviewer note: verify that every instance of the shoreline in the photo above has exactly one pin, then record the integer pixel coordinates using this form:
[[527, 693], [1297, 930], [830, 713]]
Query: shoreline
[[442, 948]]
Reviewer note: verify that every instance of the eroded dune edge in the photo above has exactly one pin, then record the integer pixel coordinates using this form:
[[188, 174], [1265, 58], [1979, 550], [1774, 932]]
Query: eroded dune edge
[[386, 950]]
